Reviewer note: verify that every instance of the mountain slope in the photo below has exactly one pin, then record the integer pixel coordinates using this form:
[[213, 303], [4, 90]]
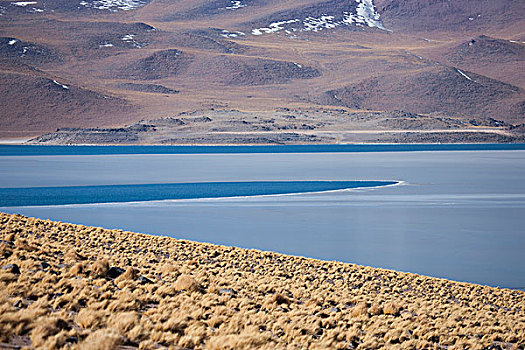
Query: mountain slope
[[446, 15], [436, 89], [31, 104], [156, 59]]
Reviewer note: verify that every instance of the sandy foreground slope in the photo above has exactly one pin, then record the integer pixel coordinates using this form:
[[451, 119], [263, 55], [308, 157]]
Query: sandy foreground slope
[[64, 285]]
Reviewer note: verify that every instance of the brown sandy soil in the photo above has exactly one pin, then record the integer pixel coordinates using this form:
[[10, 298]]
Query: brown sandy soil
[[63, 285]]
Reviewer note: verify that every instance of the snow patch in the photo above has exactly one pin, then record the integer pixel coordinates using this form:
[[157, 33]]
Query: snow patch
[[65, 87], [316, 24], [114, 5], [24, 3], [227, 34], [273, 27], [235, 5], [105, 45], [298, 65], [365, 14], [463, 74], [12, 42], [366, 11], [130, 39]]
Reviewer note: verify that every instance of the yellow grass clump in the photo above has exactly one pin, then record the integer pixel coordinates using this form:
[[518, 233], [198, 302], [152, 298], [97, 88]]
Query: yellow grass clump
[[75, 287]]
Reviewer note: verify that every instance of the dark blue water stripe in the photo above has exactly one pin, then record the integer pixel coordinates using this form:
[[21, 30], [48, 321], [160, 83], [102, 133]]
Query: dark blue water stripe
[[35, 196], [39, 150]]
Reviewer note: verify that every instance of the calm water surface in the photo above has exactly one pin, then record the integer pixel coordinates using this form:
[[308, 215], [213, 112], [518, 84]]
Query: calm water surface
[[459, 214]]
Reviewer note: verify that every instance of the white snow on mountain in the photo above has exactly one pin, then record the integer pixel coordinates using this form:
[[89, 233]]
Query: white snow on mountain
[[367, 11], [316, 24], [365, 14], [12, 42], [464, 75], [130, 39], [65, 87], [227, 34], [273, 27], [235, 5], [114, 5], [24, 3]]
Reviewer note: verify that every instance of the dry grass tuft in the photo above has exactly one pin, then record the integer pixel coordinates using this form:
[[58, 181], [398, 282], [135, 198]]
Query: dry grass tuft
[[124, 322], [202, 296], [73, 256], [102, 339], [100, 268], [91, 319], [240, 342], [391, 309], [46, 328], [187, 283], [131, 273], [279, 299]]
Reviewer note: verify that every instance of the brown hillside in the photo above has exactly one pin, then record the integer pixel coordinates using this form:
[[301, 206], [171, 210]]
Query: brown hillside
[[445, 15], [160, 64], [436, 89], [484, 49], [259, 56], [14, 50], [34, 103], [238, 70]]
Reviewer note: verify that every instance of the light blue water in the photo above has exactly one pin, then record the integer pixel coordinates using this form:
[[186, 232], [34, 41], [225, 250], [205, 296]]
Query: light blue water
[[459, 215]]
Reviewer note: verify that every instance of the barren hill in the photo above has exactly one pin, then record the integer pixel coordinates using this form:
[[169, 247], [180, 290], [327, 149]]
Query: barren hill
[[450, 16], [434, 89], [128, 60], [33, 101], [487, 50]]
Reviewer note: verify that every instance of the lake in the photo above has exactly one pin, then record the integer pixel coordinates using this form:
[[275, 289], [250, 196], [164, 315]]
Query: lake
[[458, 213]]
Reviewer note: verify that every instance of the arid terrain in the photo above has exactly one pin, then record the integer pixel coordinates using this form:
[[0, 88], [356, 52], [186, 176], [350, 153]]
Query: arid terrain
[[287, 126], [76, 287], [351, 70]]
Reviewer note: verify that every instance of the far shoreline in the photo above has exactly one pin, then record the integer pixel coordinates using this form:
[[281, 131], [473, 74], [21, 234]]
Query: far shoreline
[[109, 149]]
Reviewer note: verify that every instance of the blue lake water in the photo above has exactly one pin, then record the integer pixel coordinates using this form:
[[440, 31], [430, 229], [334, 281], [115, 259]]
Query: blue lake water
[[457, 214], [36, 150], [60, 195]]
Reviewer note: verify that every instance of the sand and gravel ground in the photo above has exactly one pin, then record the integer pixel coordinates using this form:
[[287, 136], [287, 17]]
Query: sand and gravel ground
[[70, 286]]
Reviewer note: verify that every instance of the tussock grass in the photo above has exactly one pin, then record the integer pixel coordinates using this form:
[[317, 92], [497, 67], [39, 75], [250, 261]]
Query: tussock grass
[[87, 288]]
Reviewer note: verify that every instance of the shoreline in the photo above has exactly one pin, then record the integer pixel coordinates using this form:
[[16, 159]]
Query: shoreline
[[89, 287], [13, 142], [82, 150]]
